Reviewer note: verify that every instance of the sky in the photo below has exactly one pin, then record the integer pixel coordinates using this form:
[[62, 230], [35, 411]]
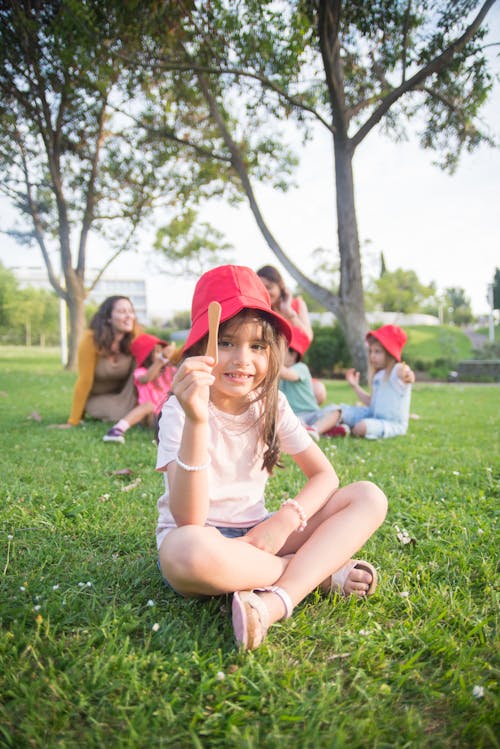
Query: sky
[[445, 228]]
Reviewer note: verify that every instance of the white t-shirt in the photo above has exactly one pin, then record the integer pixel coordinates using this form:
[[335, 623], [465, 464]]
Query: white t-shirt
[[236, 479]]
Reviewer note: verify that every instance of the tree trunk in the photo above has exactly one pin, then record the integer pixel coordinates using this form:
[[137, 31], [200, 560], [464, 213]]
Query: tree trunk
[[351, 313], [75, 301]]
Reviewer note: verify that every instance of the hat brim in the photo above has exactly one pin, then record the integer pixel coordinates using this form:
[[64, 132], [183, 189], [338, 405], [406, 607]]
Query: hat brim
[[230, 308]]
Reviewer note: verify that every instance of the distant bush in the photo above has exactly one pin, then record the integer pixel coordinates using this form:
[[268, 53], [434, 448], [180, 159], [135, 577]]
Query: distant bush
[[328, 351]]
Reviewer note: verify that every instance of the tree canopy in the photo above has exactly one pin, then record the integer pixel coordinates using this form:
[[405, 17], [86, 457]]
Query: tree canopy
[[112, 109]]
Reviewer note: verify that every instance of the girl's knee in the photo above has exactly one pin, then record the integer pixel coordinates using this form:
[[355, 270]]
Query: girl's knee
[[186, 557], [370, 495], [359, 429]]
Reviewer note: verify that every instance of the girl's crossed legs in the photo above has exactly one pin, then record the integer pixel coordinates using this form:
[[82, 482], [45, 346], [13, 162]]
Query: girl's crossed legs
[[199, 561]]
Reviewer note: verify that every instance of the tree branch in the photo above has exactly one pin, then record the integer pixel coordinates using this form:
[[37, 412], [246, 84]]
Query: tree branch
[[328, 29], [324, 296], [88, 214], [37, 224], [434, 66], [405, 41]]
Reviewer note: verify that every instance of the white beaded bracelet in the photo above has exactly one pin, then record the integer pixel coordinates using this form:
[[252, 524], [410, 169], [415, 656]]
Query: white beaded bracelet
[[185, 467], [300, 512]]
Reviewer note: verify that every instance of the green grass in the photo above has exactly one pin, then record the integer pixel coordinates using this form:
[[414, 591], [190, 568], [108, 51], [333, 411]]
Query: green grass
[[82, 665], [427, 343]]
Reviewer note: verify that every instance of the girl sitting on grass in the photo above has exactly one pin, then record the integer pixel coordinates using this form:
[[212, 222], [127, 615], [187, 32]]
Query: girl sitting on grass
[[153, 376], [386, 409], [220, 437]]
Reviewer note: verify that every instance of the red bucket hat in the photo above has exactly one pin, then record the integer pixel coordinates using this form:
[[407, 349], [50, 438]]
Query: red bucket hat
[[235, 287], [141, 347], [300, 341], [392, 339]]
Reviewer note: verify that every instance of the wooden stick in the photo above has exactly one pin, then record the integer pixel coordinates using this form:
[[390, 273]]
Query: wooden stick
[[214, 311]]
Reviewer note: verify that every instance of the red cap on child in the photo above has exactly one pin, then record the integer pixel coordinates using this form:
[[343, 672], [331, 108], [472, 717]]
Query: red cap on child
[[235, 287], [392, 339], [141, 347], [300, 341]]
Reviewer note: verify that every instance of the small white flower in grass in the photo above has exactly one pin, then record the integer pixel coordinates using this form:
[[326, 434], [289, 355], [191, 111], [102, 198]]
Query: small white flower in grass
[[88, 584], [220, 675], [37, 607], [364, 632], [480, 531], [55, 587], [10, 537], [81, 585], [150, 603], [404, 593], [403, 536], [370, 474], [456, 473], [22, 588], [155, 627], [478, 692]]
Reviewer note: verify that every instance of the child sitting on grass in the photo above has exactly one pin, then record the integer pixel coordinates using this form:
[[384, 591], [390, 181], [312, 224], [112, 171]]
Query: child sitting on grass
[[221, 434], [296, 384], [386, 409], [152, 378]]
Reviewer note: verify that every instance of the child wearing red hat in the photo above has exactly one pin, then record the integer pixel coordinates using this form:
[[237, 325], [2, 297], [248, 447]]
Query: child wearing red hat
[[296, 383], [386, 409], [152, 378], [220, 437]]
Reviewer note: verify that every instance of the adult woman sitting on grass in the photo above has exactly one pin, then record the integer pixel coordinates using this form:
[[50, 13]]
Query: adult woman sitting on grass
[[105, 386]]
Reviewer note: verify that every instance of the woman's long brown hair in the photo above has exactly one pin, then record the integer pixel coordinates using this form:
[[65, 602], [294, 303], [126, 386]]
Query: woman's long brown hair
[[269, 390]]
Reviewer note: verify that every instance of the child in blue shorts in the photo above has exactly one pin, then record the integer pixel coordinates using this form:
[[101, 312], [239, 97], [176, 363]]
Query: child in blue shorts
[[386, 410], [296, 383]]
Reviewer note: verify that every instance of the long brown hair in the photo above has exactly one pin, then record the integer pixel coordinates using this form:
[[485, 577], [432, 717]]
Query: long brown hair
[[268, 390], [103, 330]]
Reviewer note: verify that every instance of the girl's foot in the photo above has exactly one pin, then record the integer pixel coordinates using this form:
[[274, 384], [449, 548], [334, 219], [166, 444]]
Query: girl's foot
[[356, 577], [252, 618]]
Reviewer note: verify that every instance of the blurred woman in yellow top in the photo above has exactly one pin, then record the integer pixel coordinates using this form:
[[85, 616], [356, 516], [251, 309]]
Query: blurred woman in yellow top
[[105, 385]]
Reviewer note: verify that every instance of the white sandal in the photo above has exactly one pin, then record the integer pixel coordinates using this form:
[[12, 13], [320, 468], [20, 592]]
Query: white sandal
[[250, 631], [339, 578]]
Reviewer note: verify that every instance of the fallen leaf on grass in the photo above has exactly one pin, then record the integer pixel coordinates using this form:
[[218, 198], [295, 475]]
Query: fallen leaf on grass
[[35, 416], [3, 394], [122, 472], [131, 486]]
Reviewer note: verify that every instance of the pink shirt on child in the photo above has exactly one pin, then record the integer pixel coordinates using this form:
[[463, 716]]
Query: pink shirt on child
[[236, 479], [155, 391]]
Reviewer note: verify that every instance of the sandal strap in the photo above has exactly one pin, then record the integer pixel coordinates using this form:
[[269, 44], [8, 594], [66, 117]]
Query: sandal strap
[[281, 592]]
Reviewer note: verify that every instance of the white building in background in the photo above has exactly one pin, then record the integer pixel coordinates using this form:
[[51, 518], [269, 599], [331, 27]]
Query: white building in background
[[381, 318], [108, 285]]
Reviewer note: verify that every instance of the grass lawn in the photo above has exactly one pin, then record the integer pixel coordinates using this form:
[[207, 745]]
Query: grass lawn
[[96, 652]]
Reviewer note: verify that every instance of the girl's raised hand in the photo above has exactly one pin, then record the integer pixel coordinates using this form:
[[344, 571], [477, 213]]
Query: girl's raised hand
[[406, 373], [191, 386], [286, 308], [352, 377]]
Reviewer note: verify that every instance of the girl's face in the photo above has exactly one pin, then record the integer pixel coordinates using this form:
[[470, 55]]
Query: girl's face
[[273, 290], [122, 317], [377, 355], [242, 366]]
